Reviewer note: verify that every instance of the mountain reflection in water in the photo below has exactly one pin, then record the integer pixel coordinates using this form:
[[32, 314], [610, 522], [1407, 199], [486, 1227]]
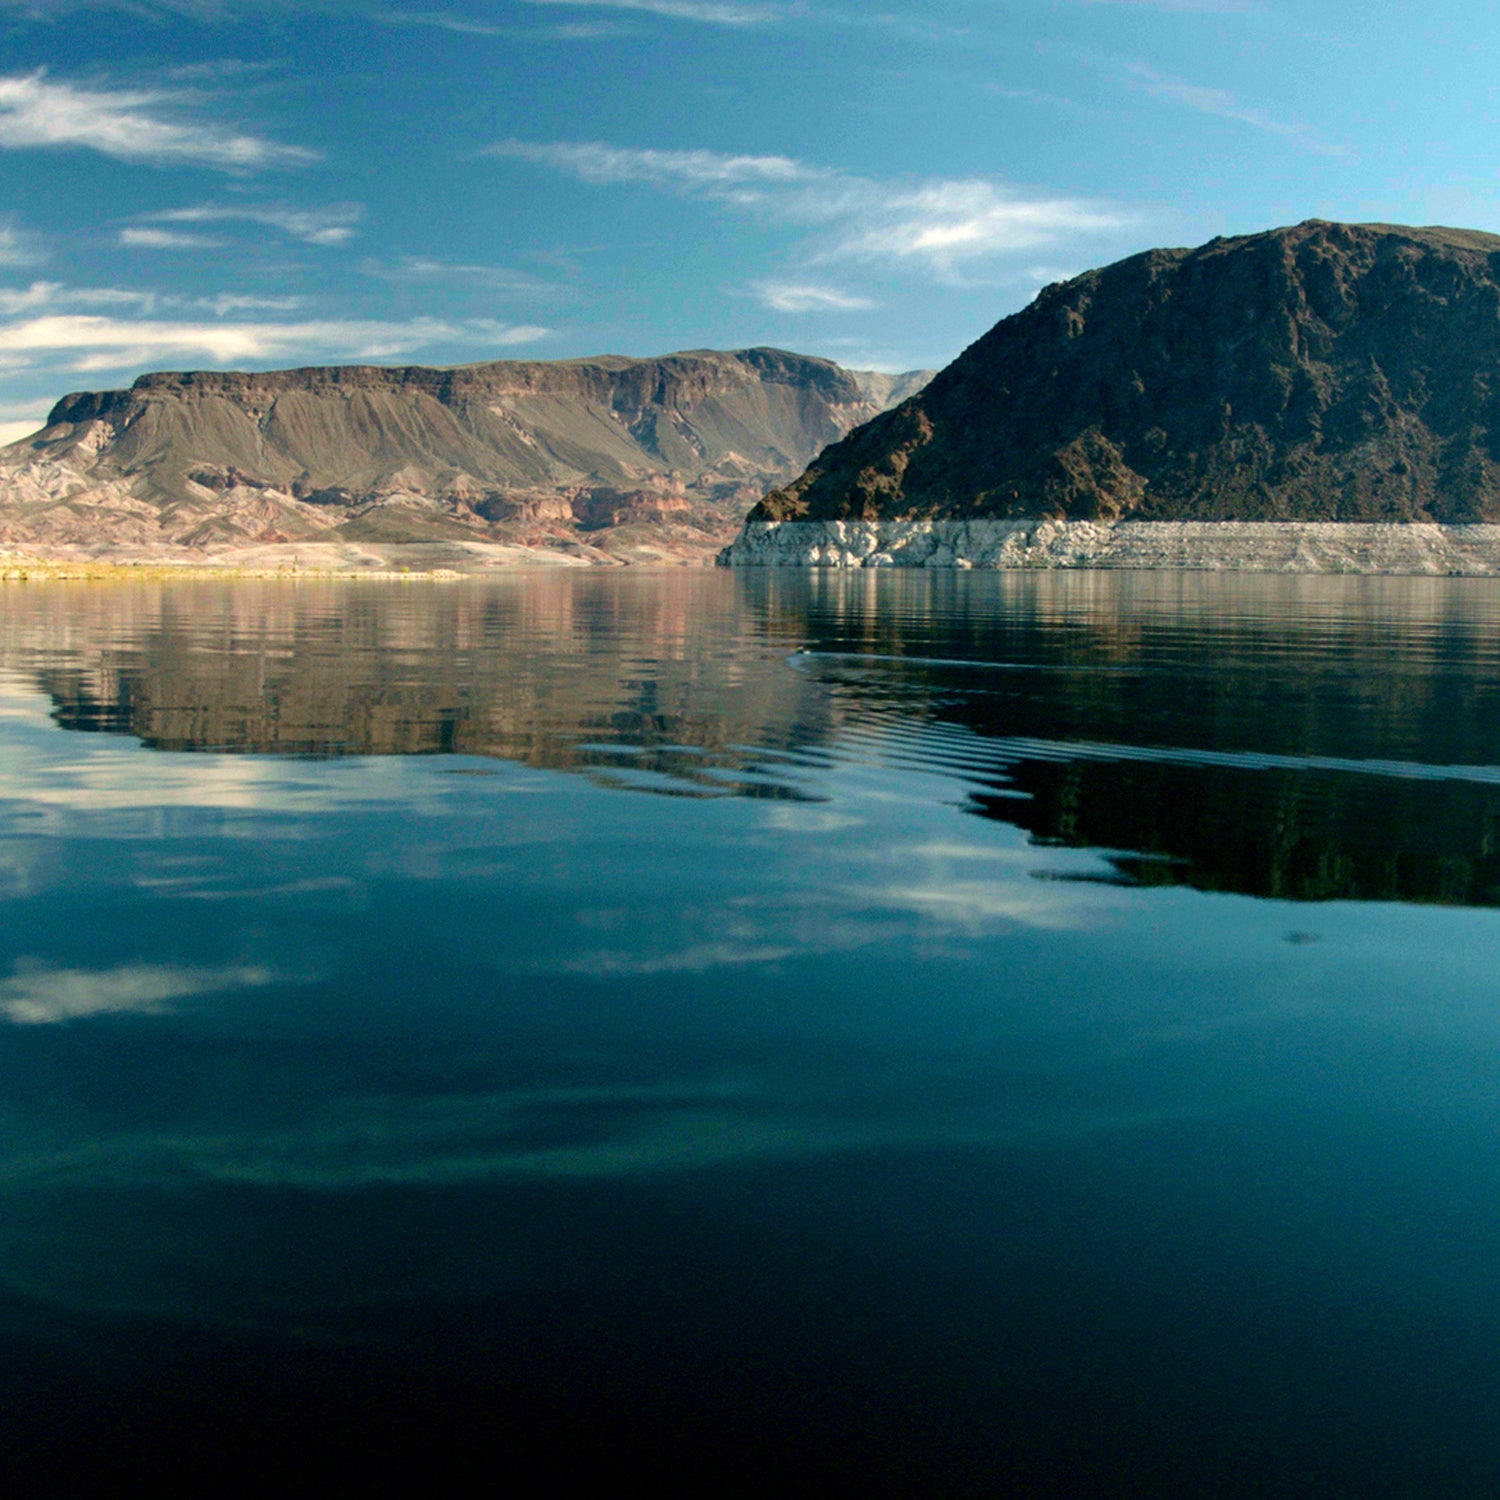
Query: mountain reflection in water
[[1300, 738], [871, 1109]]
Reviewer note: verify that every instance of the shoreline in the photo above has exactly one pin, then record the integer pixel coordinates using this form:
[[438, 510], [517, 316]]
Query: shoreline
[[1287, 547], [1396, 548], [389, 561], [33, 570]]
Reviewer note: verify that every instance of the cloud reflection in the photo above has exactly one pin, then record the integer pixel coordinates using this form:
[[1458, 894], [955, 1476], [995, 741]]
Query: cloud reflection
[[975, 906], [376, 1141], [39, 996], [908, 894]]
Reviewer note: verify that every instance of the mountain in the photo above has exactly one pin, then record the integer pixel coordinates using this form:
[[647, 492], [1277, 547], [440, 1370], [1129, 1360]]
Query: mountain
[[604, 458], [1320, 373]]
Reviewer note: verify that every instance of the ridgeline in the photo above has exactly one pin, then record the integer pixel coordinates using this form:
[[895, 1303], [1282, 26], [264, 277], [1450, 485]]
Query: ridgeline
[[1320, 373]]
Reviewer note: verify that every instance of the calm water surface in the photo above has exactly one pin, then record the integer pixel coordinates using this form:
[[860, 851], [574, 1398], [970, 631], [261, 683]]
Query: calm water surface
[[862, 1035]]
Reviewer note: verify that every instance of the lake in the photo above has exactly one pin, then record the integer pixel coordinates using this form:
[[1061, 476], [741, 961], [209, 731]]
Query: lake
[[853, 1033]]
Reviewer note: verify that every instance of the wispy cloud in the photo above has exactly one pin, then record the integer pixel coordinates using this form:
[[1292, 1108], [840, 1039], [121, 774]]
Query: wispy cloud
[[333, 225], [235, 302], [716, 172], [1224, 105], [17, 248], [505, 279], [936, 222], [134, 125], [1039, 96], [40, 294], [24, 299], [1203, 7], [166, 239], [798, 297], [863, 354], [468, 26], [53, 294], [711, 11], [105, 343], [219, 70], [946, 221], [155, 10], [442, 21], [20, 411]]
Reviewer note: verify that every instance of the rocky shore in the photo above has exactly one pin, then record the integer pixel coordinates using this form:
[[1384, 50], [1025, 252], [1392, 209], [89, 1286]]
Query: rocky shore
[[1214, 546]]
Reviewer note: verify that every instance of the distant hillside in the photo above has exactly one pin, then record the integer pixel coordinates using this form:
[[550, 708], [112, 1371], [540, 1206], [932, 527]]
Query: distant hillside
[[604, 455], [1326, 372]]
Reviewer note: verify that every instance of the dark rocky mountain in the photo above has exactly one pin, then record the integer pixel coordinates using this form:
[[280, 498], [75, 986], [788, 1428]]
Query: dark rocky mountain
[[601, 455], [1325, 372]]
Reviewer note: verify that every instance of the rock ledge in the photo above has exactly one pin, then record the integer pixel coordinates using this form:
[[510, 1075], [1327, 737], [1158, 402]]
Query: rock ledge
[[1214, 546]]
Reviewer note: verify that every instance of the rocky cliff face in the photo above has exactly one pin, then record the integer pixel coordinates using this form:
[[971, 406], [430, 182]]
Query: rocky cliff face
[[1326, 372], [602, 455]]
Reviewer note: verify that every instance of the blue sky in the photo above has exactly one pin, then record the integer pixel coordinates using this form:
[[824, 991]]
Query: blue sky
[[259, 183]]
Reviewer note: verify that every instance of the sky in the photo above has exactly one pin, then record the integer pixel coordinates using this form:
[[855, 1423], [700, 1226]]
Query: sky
[[254, 184]]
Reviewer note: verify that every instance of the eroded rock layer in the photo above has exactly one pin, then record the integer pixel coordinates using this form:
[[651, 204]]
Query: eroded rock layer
[[605, 458], [1205, 546]]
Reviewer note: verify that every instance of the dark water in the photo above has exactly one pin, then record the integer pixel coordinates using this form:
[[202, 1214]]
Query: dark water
[[848, 1035]]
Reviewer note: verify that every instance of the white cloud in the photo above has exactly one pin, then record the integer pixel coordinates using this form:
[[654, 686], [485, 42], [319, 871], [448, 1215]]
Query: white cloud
[[797, 297], [596, 162], [13, 432], [41, 997], [19, 411], [16, 247], [333, 225], [105, 296], [947, 221], [228, 302], [465, 26], [861, 354], [165, 239], [134, 125], [218, 70], [938, 222], [442, 21], [38, 294], [712, 11], [491, 278], [1041, 276], [103, 343], [1225, 106], [53, 294]]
